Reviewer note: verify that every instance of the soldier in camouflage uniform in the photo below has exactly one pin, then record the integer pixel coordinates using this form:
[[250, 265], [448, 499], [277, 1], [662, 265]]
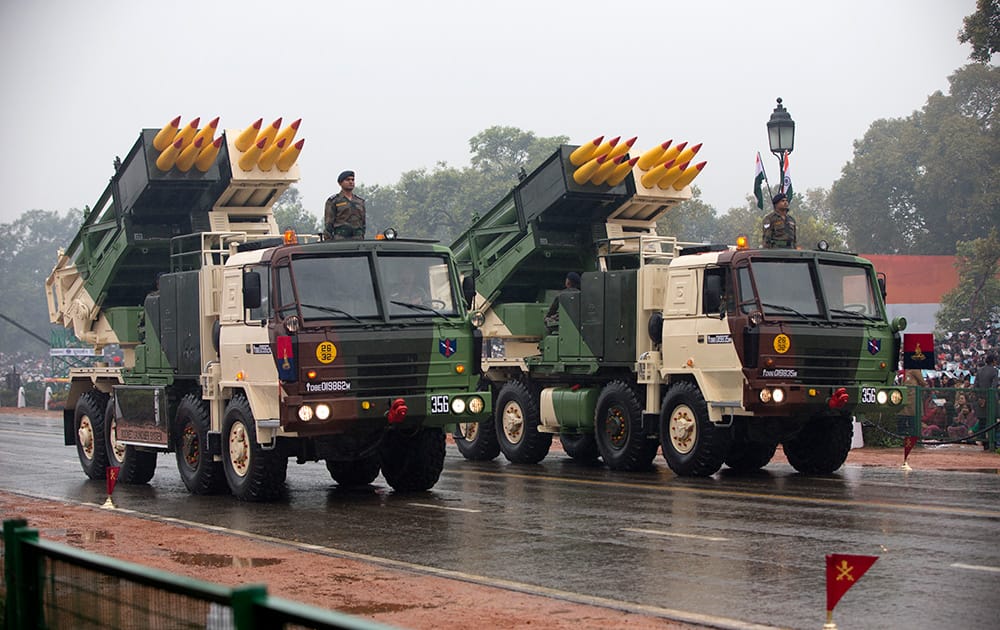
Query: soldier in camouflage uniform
[[345, 212], [779, 226]]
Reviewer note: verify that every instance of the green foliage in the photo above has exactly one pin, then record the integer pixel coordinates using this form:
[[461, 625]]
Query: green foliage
[[975, 302], [289, 213], [692, 221], [920, 184], [982, 30]]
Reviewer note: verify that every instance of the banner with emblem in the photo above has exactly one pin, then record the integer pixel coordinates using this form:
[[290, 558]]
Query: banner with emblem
[[842, 572], [918, 351]]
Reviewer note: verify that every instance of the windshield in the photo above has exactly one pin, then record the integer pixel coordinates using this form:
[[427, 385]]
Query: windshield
[[417, 285], [787, 288], [338, 287]]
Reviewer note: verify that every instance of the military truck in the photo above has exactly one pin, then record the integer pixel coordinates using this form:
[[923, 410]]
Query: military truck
[[715, 353], [244, 347]]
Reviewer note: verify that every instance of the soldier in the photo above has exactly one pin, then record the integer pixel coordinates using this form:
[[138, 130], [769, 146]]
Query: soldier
[[779, 226], [345, 212]]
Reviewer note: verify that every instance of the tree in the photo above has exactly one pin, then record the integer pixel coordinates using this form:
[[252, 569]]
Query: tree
[[922, 183], [289, 213], [982, 30], [975, 302], [692, 221]]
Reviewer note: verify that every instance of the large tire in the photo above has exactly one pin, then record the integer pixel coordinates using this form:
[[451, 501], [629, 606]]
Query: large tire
[[821, 447], [359, 472], [580, 446], [412, 462], [477, 441], [88, 424], [618, 429], [200, 474], [692, 445], [253, 473], [747, 456], [135, 466], [517, 420]]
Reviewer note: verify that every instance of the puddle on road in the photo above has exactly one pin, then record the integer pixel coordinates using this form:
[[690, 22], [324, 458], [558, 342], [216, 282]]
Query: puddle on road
[[220, 560]]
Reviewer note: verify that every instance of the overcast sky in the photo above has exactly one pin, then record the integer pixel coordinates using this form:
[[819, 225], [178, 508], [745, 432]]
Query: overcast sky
[[387, 87]]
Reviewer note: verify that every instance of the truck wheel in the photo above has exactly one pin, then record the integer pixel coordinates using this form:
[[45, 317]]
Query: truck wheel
[[517, 421], [253, 473], [135, 466], [413, 463], [692, 445], [747, 456], [200, 474], [821, 447], [477, 441], [88, 420], [618, 429], [360, 472], [580, 446]]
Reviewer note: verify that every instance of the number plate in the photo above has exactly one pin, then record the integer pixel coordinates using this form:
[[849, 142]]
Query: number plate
[[439, 404], [868, 395]]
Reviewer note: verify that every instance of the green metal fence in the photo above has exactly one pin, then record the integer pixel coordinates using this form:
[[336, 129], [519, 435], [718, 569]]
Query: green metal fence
[[931, 411], [50, 585]]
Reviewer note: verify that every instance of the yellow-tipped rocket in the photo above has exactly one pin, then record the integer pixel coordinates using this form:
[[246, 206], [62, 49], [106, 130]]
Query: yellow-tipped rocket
[[689, 176], [270, 156], [653, 175], [582, 174], [269, 133], [187, 134], [207, 156], [250, 156], [585, 152], [605, 170], [622, 148], [673, 152], [247, 137], [288, 133], [621, 172], [207, 133], [165, 137], [289, 155], [687, 154], [188, 155], [654, 155], [166, 160], [672, 175]]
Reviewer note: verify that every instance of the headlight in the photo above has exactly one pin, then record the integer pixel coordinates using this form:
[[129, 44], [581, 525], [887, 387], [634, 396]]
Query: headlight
[[457, 406], [896, 397], [305, 413], [882, 397], [765, 395], [323, 411], [476, 405], [778, 395]]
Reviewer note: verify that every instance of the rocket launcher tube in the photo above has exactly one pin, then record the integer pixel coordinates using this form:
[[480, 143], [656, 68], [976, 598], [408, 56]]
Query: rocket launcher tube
[[585, 152], [186, 135], [673, 152], [672, 175], [604, 171], [207, 156], [247, 137], [621, 172], [270, 156], [689, 176], [582, 174], [165, 137], [653, 175], [688, 153], [289, 155], [207, 133], [250, 156], [622, 148], [169, 156], [288, 133], [606, 147], [188, 155], [270, 133], [654, 155]]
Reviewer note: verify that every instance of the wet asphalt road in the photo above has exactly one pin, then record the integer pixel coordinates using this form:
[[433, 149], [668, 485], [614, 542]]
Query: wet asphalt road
[[728, 550]]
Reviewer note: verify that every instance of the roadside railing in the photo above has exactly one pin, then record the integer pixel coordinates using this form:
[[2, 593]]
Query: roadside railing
[[50, 585], [935, 415]]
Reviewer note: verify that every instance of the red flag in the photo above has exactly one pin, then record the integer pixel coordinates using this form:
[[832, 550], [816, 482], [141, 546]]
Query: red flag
[[842, 571], [908, 443], [918, 351], [112, 472]]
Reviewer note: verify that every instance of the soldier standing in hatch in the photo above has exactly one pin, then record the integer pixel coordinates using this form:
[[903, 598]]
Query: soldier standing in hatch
[[779, 226], [345, 212]]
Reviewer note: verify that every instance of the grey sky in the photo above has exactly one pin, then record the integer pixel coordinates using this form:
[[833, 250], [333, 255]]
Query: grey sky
[[387, 87]]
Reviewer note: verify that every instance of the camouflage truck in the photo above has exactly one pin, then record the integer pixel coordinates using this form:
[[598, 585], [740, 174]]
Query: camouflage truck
[[244, 347], [716, 353]]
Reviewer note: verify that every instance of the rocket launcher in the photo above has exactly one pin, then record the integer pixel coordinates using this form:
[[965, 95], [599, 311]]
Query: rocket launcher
[[174, 181], [563, 213]]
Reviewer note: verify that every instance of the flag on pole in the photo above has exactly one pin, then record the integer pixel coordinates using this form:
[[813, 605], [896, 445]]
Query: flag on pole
[[786, 186], [842, 572], [758, 181], [112, 475]]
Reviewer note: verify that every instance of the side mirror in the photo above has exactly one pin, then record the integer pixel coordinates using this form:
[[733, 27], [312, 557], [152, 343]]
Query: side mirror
[[881, 283], [469, 290], [251, 290]]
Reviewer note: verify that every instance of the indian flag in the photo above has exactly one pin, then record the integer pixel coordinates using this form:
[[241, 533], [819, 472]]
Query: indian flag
[[758, 182], [786, 186]]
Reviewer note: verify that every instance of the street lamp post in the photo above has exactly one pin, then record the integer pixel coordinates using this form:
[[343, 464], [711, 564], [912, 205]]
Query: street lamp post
[[781, 137]]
